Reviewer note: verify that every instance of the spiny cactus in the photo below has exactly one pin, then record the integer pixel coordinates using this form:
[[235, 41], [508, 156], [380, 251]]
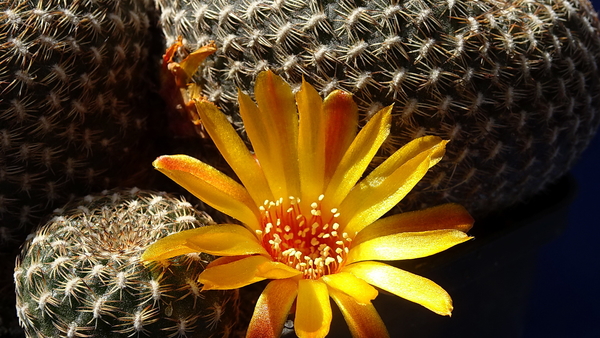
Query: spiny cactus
[[513, 84], [80, 274], [71, 115]]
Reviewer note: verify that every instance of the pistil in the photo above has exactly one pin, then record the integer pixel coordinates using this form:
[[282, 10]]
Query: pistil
[[304, 238]]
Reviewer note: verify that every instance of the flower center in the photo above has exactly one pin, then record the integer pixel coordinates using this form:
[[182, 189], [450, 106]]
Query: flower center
[[306, 241]]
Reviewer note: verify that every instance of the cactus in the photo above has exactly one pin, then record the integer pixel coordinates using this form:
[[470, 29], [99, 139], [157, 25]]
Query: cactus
[[513, 84], [80, 275], [72, 116]]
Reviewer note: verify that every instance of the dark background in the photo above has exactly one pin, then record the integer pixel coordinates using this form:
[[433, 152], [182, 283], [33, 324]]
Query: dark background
[[565, 297]]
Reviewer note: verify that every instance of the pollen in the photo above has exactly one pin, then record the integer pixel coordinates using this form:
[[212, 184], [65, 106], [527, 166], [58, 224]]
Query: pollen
[[310, 236]]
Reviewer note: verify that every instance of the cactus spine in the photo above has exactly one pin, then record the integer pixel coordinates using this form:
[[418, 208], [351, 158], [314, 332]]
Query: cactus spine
[[80, 274], [513, 84]]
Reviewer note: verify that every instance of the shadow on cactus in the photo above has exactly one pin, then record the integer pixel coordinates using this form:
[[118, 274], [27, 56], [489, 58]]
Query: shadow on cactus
[[80, 275], [74, 114]]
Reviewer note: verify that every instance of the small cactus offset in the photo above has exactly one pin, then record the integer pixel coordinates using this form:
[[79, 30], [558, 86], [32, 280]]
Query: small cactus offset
[[72, 118], [515, 85], [80, 275]]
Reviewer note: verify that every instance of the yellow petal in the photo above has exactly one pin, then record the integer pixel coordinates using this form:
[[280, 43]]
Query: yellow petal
[[234, 150], [266, 154], [383, 188], [355, 287], [406, 245], [211, 186], [445, 216], [362, 319], [279, 119], [221, 240], [311, 139], [408, 152], [357, 157], [259, 135], [272, 309], [340, 115], [224, 240], [232, 275], [225, 260], [166, 248], [313, 309], [276, 270], [403, 284]]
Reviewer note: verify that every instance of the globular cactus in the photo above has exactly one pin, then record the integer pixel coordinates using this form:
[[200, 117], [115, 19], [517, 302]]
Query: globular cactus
[[80, 275], [72, 114], [513, 84]]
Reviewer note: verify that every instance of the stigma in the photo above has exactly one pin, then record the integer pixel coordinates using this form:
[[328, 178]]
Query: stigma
[[303, 236]]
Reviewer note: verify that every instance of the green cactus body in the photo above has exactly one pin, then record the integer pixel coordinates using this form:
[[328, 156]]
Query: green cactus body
[[72, 118], [80, 275], [513, 84]]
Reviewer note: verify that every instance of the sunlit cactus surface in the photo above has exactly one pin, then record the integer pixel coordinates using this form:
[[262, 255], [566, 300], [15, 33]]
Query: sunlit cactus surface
[[80, 275], [513, 84]]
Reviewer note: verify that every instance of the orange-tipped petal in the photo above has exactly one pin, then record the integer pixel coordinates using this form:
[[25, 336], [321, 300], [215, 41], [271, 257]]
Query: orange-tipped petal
[[272, 309], [221, 240], [279, 116], [191, 63], [170, 52], [232, 275], [385, 186], [403, 284], [313, 309], [311, 139], [406, 245], [234, 150], [340, 114], [445, 216], [362, 319], [355, 287], [211, 186], [358, 156]]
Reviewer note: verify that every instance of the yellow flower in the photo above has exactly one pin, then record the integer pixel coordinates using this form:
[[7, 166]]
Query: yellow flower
[[309, 222]]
